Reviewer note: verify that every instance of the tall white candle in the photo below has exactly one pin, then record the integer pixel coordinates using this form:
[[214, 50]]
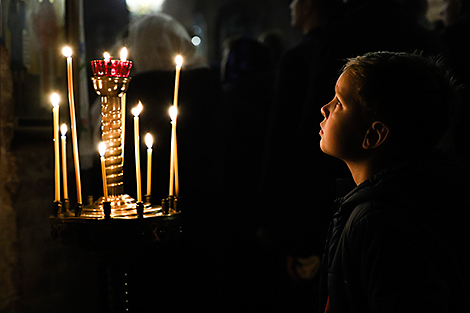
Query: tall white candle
[[123, 125], [173, 158], [175, 163], [149, 144], [63, 130], [123, 110], [179, 64], [102, 151], [136, 111], [67, 52], [55, 114]]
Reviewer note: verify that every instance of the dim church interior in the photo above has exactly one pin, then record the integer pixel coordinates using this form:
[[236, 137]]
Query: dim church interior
[[36, 273]]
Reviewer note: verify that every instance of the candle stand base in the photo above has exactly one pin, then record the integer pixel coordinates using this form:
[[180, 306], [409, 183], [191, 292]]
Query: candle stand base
[[140, 209], [78, 209], [128, 247], [107, 210], [170, 204], [122, 206], [64, 211], [56, 207], [148, 199], [119, 221]]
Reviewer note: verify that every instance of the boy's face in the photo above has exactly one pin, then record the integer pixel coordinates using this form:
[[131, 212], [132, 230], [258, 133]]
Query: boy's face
[[341, 132]]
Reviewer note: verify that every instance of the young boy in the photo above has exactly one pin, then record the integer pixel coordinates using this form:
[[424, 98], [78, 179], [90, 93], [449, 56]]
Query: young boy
[[398, 242]]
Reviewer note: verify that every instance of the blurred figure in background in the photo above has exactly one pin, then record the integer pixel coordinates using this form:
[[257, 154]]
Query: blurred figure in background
[[247, 77], [313, 18], [455, 15], [295, 217], [275, 41], [247, 83]]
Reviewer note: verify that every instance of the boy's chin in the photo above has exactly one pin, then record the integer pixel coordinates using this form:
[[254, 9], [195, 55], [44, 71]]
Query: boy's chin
[[325, 151], [323, 148], [328, 152]]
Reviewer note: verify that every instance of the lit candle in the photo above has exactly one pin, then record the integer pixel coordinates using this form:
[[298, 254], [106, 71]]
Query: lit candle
[[55, 111], [173, 158], [149, 143], [106, 56], [179, 63], [63, 130], [102, 151], [67, 52], [136, 111]]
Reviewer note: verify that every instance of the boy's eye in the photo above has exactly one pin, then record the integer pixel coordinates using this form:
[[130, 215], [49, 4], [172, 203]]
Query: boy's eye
[[338, 103]]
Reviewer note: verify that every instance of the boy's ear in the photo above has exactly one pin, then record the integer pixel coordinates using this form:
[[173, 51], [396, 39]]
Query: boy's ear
[[375, 135]]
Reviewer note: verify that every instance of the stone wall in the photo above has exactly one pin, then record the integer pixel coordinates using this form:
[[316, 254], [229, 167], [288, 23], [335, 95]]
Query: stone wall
[[37, 274], [9, 274]]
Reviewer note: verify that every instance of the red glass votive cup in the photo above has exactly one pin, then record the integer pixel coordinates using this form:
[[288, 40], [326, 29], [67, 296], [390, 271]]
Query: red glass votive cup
[[124, 68], [112, 68], [97, 67]]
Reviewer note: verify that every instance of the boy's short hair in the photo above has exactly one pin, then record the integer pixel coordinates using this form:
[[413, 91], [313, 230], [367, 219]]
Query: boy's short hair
[[409, 93]]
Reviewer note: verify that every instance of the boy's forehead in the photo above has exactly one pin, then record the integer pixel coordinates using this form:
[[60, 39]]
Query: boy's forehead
[[346, 86]]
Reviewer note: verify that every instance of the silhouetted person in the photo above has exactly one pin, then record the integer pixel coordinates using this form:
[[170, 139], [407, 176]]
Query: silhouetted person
[[287, 207], [247, 77], [456, 18], [247, 82], [398, 242], [294, 223], [311, 17], [275, 41]]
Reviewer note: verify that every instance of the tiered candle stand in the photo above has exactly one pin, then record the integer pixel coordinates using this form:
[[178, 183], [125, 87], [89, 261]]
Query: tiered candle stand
[[117, 228]]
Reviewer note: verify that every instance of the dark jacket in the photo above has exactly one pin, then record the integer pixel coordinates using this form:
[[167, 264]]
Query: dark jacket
[[399, 242]]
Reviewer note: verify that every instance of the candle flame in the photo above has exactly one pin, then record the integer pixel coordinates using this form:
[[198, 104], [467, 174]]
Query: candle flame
[[149, 140], [173, 113], [124, 54], [55, 100], [136, 111], [102, 148], [179, 61], [106, 56], [67, 52], [63, 129]]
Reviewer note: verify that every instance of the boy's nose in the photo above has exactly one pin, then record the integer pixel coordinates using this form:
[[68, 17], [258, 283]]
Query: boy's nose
[[324, 110]]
